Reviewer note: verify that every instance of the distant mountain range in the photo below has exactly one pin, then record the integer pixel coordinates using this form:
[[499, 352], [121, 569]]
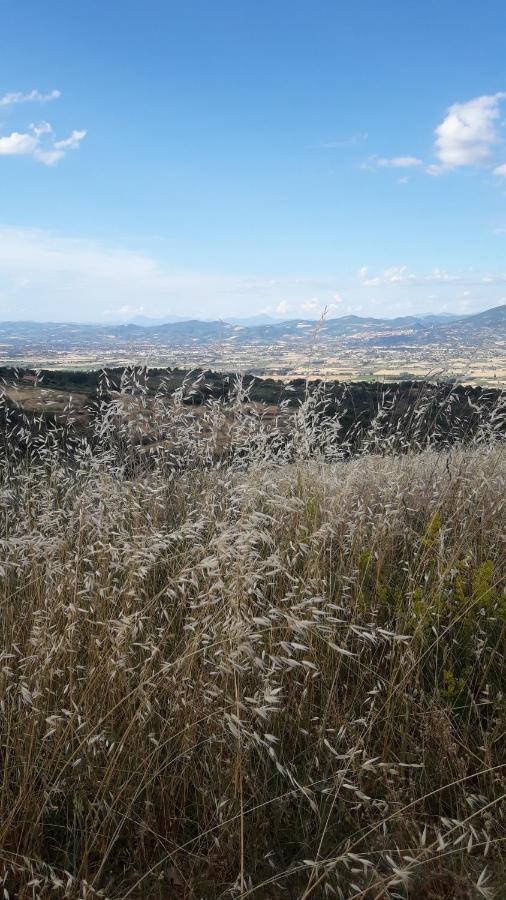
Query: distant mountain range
[[146, 322], [405, 330], [417, 329]]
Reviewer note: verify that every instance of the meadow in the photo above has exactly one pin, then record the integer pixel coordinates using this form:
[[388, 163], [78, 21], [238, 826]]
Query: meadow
[[264, 665]]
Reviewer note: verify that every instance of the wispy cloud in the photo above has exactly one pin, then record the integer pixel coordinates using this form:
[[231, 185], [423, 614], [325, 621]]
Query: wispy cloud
[[311, 305], [46, 276], [401, 162], [398, 162], [72, 142], [43, 275], [393, 162], [341, 143], [39, 143], [401, 275], [316, 307], [500, 170], [31, 97]]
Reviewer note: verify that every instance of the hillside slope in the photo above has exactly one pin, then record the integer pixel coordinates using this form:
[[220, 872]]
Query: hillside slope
[[261, 674]]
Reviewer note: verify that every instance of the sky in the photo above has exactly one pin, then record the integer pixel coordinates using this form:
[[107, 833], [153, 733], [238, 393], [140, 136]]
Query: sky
[[245, 157]]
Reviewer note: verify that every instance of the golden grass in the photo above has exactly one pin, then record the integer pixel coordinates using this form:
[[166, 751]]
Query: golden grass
[[238, 678]]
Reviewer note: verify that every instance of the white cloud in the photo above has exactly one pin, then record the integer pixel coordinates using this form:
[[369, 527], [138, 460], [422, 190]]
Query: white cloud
[[434, 170], [401, 275], [43, 276], [466, 136], [39, 143], [366, 279], [41, 128], [311, 305], [392, 162], [341, 143], [468, 133], [31, 97], [48, 277], [17, 144], [317, 308], [48, 157], [72, 142], [399, 162], [123, 312]]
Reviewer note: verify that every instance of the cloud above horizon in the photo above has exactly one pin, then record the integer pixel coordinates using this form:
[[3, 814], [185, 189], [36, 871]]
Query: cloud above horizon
[[45, 276], [468, 133], [393, 162], [343, 143], [467, 136], [34, 96], [401, 275], [38, 141]]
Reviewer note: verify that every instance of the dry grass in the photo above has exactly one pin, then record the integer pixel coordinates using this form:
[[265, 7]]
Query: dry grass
[[267, 673]]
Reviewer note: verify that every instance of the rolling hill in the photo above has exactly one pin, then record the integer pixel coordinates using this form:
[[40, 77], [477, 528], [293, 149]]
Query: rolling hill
[[418, 329]]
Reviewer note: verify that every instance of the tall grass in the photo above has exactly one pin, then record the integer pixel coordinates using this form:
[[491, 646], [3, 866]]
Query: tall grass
[[242, 662]]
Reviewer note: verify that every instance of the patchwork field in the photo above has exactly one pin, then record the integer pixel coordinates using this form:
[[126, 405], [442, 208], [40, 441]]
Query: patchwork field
[[471, 350]]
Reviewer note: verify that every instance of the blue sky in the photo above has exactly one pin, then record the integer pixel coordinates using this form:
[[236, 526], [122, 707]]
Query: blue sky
[[236, 157]]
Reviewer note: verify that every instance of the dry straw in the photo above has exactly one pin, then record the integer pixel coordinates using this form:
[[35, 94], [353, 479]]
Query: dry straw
[[247, 659]]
